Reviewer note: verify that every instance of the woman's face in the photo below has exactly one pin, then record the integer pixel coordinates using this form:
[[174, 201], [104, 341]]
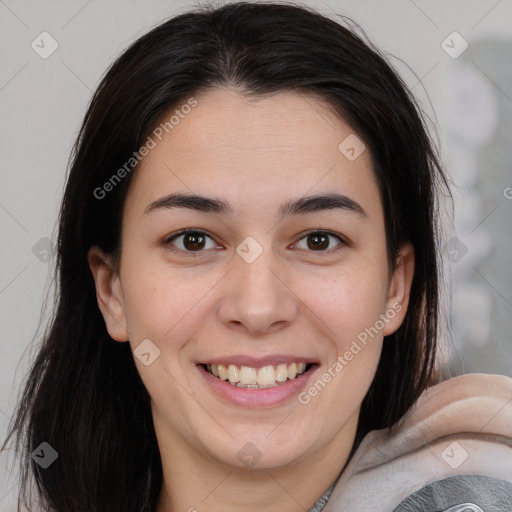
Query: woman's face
[[255, 285]]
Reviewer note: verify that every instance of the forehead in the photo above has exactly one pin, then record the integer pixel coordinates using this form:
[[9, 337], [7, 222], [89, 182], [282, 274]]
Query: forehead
[[286, 124], [262, 147]]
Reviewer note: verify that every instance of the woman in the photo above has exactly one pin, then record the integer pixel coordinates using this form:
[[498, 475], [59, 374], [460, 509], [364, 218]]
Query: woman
[[248, 297]]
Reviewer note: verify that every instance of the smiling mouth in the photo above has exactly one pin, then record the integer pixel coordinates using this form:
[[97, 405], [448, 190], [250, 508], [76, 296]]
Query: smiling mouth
[[258, 378]]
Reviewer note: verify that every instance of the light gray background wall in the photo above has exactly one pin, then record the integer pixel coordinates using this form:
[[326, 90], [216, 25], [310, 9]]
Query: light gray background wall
[[43, 101]]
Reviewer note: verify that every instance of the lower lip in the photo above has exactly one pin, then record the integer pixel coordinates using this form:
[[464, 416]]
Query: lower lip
[[257, 397]]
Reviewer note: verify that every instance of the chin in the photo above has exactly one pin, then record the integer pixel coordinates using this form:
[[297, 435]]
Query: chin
[[261, 451]]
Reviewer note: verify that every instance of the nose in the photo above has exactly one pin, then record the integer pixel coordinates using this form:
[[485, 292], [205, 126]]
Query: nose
[[257, 297]]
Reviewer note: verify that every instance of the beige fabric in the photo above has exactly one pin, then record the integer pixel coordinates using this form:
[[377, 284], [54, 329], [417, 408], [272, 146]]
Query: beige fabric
[[462, 426]]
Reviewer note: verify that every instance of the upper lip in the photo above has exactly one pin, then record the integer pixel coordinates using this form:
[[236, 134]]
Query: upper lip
[[257, 362]]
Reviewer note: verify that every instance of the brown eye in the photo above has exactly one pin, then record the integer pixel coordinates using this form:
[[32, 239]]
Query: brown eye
[[192, 241], [318, 241]]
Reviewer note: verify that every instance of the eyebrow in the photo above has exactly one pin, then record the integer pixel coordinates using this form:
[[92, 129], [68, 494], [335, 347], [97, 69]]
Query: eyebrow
[[299, 206]]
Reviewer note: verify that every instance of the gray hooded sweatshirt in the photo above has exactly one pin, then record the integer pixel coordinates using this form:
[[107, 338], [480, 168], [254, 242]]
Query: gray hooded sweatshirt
[[452, 452]]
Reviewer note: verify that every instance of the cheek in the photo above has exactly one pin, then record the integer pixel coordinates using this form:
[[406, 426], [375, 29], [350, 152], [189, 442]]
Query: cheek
[[158, 300], [346, 301]]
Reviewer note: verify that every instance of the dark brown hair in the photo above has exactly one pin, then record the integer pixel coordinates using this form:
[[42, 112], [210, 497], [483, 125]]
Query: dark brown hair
[[83, 394]]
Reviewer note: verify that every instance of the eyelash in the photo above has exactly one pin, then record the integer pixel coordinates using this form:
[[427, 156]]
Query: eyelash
[[168, 240]]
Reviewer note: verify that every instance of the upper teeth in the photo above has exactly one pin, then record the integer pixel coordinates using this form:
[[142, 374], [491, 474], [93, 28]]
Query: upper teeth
[[266, 376]]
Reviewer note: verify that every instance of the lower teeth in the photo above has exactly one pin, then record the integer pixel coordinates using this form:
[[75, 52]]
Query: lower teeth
[[253, 386]]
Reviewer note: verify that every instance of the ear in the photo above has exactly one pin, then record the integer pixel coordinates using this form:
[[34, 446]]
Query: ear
[[399, 289], [109, 293]]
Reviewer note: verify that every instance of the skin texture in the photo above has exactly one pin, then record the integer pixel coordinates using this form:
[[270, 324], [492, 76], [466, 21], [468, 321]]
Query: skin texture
[[293, 299]]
